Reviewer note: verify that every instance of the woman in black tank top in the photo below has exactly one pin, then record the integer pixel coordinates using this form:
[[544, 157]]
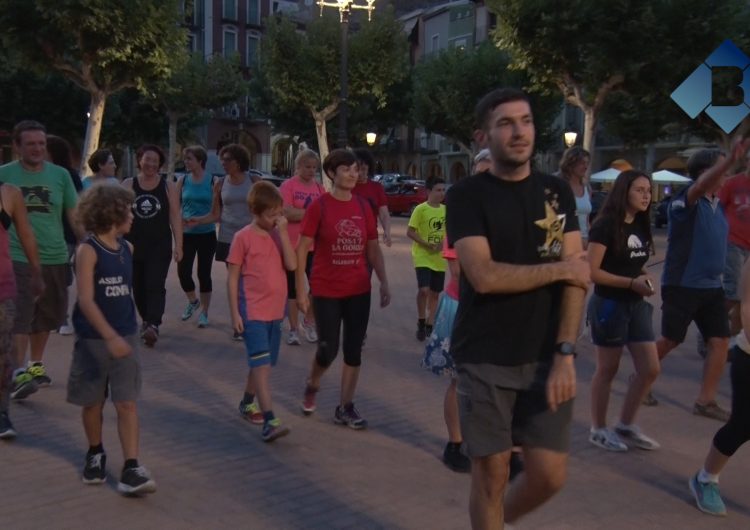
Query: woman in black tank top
[[156, 222]]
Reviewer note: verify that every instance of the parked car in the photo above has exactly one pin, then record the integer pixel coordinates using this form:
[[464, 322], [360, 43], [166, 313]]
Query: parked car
[[660, 218], [390, 180], [403, 197]]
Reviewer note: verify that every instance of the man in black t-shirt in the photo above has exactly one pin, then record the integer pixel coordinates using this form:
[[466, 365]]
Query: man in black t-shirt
[[523, 283]]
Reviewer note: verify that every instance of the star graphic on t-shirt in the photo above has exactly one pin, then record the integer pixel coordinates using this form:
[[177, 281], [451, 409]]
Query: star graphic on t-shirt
[[554, 224]]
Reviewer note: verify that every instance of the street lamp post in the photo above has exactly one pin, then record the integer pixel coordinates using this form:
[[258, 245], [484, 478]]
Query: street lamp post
[[345, 8], [570, 138]]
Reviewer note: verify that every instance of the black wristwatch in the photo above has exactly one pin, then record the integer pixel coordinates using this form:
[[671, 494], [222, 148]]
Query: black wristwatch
[[566, 349]]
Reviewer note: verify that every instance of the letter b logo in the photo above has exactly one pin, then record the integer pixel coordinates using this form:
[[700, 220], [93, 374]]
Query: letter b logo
[[694, 95]]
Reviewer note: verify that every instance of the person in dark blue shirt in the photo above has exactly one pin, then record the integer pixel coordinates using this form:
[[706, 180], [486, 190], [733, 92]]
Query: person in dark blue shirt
[[691, 280]]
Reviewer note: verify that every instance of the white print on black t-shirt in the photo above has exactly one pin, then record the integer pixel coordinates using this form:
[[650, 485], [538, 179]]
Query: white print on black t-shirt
[[634, 242], [146, 206], [349, 245], [114, 286], [554, 224]]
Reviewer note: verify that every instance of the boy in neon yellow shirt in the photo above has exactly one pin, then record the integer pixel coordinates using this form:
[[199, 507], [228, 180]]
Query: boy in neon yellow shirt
[[427, 230]]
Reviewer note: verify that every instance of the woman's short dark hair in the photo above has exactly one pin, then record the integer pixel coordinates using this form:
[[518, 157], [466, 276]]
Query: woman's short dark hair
[[615, 206], [336, 158], [198, 152], [60, 152], [365, 156], [145, 148], [98, 158], [239, 153]]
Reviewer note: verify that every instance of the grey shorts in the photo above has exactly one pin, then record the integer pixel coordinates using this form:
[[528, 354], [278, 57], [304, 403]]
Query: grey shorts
[[95, 374], [736, 257], [47, 312], [619, 322], [494, 417]]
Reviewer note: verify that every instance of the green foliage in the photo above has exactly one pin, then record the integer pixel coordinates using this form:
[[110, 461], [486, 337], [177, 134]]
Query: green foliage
[[641, 49], [448, 86], [198, 84], [102, 45], [299, 73]]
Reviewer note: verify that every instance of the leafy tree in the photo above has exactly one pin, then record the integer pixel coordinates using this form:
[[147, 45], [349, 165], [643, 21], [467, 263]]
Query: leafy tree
[[448, 86], [102, 46], [196, 86], [300, 71], [588, 50]]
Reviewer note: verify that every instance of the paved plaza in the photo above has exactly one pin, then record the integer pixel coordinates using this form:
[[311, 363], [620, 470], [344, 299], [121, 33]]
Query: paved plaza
[[214, 472]]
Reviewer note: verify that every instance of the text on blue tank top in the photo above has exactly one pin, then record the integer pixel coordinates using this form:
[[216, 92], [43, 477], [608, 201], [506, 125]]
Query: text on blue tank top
[[113, 283]]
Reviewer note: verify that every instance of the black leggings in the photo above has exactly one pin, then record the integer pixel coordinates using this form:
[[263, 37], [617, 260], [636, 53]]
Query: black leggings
[[737, 430], [204, 245], [354, 312], [149, 291]]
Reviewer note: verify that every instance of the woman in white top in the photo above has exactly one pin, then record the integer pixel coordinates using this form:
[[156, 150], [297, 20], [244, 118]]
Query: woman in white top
[[574, 166]]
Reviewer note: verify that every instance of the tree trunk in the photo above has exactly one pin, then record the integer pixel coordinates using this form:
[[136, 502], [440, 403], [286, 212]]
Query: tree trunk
[[93, 128], [590, 120], [173, 118]]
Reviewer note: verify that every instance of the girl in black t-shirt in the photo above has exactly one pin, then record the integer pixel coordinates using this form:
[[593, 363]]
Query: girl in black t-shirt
[[620, 244]]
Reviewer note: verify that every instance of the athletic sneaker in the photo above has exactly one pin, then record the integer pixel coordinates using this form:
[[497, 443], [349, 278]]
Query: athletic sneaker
[[66, 329], [95, 469], [607, 439], [421, 332], [190, 309], [7, 431], [23, 386], [309, 330], [308, 401], [455, 460], [136, 480], [711, 410], [251, 412], [150, 335], [37, 371], [203, 320], [707, 496], [634, 435], [348, 415], [237, 336], [273, 430], [293, 339]]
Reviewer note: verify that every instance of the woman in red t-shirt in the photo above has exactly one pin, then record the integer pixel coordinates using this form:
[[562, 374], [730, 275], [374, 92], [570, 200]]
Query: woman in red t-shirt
[[342, 227]]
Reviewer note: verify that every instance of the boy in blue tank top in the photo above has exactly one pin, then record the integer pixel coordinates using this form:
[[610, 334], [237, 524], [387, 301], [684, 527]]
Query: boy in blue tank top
[[105, 359]]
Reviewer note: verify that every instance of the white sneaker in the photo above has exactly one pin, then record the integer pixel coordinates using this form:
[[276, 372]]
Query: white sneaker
[[293, 339], [633, 435], [66, 329], [607, 439], [309, 330]]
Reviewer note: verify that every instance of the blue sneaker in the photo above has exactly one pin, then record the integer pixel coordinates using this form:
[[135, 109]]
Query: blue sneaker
[[190, 309], [272, 430], [203, 320], [707, 497]]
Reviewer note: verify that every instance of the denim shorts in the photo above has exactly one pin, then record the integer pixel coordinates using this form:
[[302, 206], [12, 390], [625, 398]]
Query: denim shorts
[[619, 322], [736, 257], [262, 341]]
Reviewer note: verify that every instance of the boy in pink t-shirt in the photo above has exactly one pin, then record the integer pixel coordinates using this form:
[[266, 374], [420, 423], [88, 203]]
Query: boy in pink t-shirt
[[259, 257]]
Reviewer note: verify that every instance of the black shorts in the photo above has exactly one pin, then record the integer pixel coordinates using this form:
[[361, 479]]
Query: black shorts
[[222, 251], [291, 280], [618, 322], [683, 305], [495, 417], [426, 277]]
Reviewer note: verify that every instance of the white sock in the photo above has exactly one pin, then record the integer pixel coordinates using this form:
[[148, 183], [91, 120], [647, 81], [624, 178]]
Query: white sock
[[705, 477]]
